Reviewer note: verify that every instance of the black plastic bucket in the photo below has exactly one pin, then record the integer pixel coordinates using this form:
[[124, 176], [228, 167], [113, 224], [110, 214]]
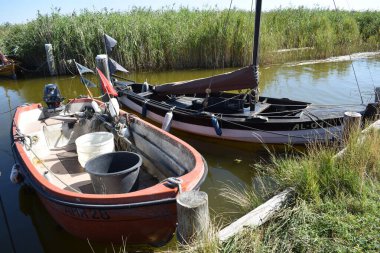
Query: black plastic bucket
[[115, 172]]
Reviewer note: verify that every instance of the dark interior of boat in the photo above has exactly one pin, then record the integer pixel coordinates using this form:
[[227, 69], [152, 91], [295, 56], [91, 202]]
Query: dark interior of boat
[[221, 102]]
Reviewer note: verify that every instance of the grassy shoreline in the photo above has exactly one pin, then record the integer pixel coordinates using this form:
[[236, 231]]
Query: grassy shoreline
[[183, 39], [336, 208]]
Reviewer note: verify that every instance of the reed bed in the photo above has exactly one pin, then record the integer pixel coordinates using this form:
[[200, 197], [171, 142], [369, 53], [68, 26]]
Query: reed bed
[[183, 38], [336, 208]]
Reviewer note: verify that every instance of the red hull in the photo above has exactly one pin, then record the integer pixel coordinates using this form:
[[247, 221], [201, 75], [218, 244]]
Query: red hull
[[152, 225], [144, 216]]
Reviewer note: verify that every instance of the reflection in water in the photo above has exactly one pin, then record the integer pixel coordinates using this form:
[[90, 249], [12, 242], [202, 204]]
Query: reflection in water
[[52, 237], [229, 162], [323, 83]]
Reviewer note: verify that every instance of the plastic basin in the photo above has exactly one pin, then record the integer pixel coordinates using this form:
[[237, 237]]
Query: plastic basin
[[115, 172]]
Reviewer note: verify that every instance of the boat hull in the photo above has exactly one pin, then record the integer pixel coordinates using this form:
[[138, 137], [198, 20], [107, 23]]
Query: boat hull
[[8, 70], [151, 224], [294, 132], [146, 216]]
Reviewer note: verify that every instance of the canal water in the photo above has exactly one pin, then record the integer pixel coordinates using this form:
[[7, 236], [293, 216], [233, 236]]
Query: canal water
[[25, 225]]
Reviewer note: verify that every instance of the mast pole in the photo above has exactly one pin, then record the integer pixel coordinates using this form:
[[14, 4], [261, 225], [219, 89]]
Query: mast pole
[[105, 44], [255, 54]]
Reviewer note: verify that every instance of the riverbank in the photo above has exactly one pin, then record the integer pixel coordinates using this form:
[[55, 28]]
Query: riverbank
[[336, 208], [186, 39]]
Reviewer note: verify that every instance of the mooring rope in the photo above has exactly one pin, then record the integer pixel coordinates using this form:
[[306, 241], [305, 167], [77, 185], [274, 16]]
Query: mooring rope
[[1, 113], [373, 83], [31, 71], [352, 65], [321, 126], [7, 225]]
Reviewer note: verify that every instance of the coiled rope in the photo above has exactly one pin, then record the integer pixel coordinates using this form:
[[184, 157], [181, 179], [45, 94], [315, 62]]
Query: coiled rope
[[14, 108]]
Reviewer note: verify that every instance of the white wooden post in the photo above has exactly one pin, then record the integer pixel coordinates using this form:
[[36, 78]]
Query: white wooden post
[[50, 59], [192, 215], [102, 64], [351, 123]]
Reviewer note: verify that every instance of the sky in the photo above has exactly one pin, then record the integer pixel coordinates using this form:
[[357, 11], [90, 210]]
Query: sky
[[20, 11]]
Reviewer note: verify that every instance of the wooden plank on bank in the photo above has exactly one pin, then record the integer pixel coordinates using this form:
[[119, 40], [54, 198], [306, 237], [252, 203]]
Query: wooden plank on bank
[[258, 216]]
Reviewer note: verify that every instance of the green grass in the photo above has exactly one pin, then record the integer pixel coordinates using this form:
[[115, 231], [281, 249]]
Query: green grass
[[179, 39], [336, 208]]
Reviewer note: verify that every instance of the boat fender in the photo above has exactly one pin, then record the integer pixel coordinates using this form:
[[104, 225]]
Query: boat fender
[[16, 177], [215, 124], [123, 128], [144, 109], [125, 132], [145, 87], [114, 107], [47, 176], [95, 106], [167, 123]]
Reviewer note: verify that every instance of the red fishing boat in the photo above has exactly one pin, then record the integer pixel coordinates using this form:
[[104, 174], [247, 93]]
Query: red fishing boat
[[46, 147]]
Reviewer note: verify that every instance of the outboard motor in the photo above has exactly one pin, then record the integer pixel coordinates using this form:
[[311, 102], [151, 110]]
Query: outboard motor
[[52, 96]]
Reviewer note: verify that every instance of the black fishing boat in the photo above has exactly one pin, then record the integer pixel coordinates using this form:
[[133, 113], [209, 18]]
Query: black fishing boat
[[206, 107]]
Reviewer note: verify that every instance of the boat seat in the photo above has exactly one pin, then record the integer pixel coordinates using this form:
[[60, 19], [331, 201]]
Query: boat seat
[[145, 94], [260, 107], [33, 128], [59, 120], [183, 102], [63, 163]]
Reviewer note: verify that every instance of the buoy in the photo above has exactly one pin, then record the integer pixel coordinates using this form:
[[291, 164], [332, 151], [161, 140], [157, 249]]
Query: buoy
[[114, 107], [215, 123], [145, 87], [167, 123], [16, 176], [47, 176], [125, 132], [144, 109], [95, 106]]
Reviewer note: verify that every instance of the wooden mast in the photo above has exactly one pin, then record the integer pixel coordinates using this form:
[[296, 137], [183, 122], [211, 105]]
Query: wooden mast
[[255, 54]]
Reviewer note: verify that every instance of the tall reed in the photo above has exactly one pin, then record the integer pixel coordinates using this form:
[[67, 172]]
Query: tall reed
[[183, 38]]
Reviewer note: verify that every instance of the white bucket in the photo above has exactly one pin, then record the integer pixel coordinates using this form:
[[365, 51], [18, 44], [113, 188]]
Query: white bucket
[[93, 144]]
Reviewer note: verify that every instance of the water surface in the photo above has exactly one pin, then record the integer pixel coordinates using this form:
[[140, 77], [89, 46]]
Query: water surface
[[31, 229]]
